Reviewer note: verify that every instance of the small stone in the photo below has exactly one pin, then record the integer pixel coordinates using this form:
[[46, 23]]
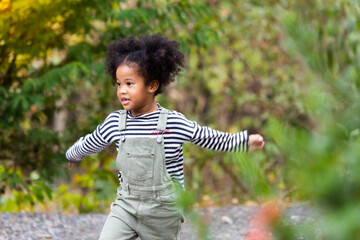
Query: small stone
[[227, 220], [48, 236]]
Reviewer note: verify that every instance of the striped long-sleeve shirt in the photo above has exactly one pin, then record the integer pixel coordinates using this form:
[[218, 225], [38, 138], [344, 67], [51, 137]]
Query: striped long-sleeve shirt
[[178, 130]]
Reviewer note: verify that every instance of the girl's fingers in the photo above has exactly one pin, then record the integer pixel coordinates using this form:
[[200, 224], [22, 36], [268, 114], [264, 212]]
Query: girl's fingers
[[70, 165], [259, 144]]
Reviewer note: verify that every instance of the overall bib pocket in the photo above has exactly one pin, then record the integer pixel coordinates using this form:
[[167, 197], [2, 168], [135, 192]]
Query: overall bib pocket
[[140, 167]]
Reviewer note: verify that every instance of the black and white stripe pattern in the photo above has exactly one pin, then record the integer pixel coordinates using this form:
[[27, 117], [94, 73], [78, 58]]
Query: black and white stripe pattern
[[178, 130]]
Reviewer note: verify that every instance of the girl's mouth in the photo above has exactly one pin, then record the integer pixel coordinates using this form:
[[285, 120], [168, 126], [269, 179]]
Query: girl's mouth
[[125, 101]]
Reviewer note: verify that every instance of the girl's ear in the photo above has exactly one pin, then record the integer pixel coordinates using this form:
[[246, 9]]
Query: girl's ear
[[153, 86]]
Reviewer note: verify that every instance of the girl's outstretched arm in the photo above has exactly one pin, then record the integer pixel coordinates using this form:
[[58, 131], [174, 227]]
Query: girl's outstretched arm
[[95, 142]]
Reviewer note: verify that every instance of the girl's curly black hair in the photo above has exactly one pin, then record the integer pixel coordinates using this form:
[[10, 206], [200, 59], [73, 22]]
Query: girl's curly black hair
[[156, 57]]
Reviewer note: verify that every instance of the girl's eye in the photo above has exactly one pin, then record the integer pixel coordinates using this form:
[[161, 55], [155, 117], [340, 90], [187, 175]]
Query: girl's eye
[[128, 84]]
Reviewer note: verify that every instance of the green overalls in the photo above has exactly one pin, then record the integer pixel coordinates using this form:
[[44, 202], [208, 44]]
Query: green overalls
[[145, 205]]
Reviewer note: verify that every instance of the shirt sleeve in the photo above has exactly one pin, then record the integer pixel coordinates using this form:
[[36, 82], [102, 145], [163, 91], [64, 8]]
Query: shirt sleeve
[[220, 141], [89, 144]]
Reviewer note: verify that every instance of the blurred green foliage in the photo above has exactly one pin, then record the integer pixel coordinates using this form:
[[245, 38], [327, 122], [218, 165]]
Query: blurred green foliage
[[323, 161], [287, 69]]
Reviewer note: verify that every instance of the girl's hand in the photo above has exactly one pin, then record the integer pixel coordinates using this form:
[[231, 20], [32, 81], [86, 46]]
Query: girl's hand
[[256, 142], [70, 165]]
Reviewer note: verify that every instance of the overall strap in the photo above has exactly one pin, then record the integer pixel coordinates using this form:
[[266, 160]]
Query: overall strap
[[122, 124], [161, 125]]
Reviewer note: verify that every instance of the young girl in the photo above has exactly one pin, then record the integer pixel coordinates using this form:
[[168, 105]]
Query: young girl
[[149, 139]]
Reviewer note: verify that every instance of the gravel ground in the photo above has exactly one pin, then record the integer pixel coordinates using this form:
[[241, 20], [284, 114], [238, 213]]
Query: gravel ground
[[226, 223]]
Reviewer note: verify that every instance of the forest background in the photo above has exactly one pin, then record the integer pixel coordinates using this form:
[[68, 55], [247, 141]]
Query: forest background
[[287, 69]]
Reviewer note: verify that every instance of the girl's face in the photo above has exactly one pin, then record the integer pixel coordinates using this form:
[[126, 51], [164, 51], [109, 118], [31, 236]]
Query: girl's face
[[133, 93]]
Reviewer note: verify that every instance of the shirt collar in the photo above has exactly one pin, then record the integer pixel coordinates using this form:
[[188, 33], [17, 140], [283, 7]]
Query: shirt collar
[[146, 115]]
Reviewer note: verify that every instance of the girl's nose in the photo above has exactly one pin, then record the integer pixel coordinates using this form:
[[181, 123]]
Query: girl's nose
[[122, 90]]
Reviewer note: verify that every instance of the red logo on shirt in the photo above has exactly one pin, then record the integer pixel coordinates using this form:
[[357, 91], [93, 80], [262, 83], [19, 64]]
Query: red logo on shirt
[[155, 132]]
